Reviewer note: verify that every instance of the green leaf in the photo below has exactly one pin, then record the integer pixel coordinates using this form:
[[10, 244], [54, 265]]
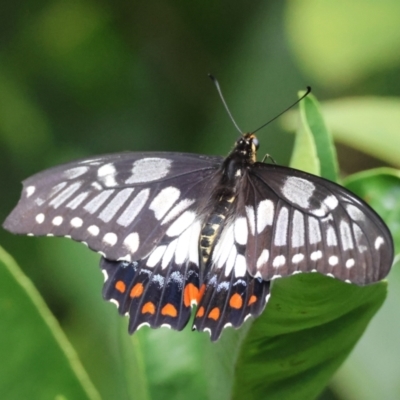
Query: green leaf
[[369, 124], [38, 361], [380, 188], [310, 325], [314, 151]]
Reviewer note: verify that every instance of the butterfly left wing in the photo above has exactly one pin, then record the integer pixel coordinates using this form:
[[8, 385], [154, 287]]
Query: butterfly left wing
[[299, 222]]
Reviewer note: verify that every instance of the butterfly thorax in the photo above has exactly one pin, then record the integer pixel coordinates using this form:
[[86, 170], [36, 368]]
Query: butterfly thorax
[[225, 192]]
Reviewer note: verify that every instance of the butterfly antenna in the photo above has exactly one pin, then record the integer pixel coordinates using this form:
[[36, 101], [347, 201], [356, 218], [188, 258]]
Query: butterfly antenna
[[214, 79], [297, 101]]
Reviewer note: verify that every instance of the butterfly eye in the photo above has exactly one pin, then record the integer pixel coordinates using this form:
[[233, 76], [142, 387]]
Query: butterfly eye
[[256, 143]]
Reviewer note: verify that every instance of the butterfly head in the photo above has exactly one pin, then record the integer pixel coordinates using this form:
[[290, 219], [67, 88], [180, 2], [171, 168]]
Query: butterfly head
[[246, 147]]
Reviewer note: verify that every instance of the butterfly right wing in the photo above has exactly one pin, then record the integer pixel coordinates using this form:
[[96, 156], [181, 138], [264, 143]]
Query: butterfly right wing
[[160, 289]]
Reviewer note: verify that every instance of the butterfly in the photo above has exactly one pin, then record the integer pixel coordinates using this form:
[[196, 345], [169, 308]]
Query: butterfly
[[179, 230]]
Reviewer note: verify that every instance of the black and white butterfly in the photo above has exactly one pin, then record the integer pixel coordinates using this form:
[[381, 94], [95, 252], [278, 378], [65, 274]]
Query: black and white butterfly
[[177, 230]]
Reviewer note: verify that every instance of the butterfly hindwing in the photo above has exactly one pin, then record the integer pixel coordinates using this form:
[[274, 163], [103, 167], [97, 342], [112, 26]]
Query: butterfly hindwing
[[160, 289], [229, 293]]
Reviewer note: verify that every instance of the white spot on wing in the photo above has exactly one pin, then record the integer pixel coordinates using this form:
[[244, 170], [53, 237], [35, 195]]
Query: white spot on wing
[[115, 204], [105, 274], [76, 222], [149, 169], [65, 194], [240, 227], [93, 230], [76, 201], [169, 253], [298, 191], [240, 266], [359, 234], [297, 229], [251, 218], [223, 247], [39, 218], [345, 235], [316, 255], [350, 263], [30, 190], [279, 261], [297, 258], [114, 302], [187, 247], [281, 227], [75, 172], [181, 223], [231, 261], [264, 256], [106, 174], [333, 260], [93, 205], [331, 236], [131, 242], [110, 238], [331, 202], [314, 231], [164, 201], [177, 210], [134, 208], [57, 188], [140, 326], [379, 242], [355, 213], [265, 214], [57, 221], [155, 256]]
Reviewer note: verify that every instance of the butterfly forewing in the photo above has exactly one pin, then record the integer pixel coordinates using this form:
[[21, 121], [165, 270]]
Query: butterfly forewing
[[298, 222], [120, 205]]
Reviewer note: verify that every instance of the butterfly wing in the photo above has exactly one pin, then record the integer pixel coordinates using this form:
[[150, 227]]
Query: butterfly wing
[[142, 212], [299, 222], [120, 205]]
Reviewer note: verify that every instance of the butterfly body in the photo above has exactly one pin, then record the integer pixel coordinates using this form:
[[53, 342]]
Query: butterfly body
[[177, 230]]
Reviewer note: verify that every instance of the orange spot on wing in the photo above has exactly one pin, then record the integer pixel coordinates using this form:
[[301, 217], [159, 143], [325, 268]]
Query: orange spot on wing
[[169, 310], [137, 290], [120, 286], [200, 312], [191, 293], [236, 301], [252, 300], [149, 307], [214, 314]]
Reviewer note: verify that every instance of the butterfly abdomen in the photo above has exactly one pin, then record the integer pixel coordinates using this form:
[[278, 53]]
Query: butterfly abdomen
[[213, 226]]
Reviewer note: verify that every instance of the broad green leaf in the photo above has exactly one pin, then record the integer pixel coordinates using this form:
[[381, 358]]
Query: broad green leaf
[[304, 155], [310, 325], [369, 124], [38, 362], [314, 150], [340, 42], [326, 152], [381, 189]]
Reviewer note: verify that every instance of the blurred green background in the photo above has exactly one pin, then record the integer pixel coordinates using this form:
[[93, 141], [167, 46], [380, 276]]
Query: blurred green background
[[79, 78]]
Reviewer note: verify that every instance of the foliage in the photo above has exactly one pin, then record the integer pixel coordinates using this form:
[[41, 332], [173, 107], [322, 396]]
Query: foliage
[[81, 78]]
